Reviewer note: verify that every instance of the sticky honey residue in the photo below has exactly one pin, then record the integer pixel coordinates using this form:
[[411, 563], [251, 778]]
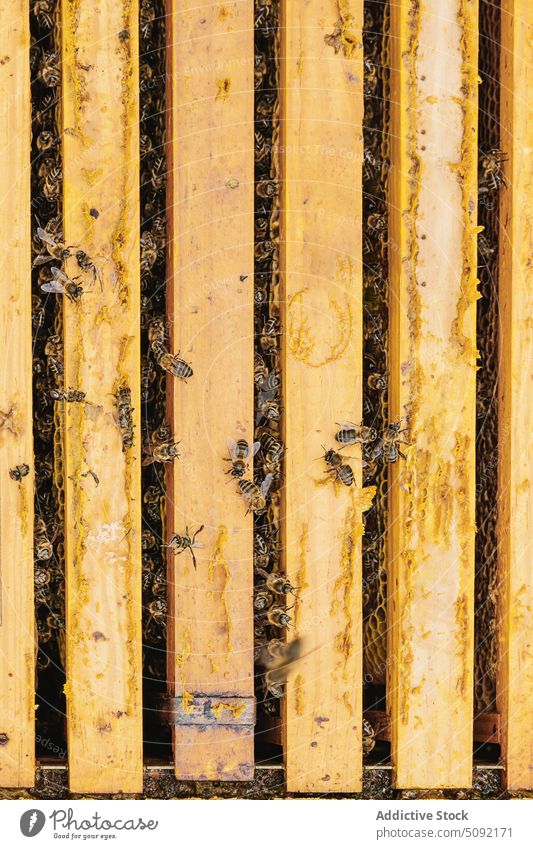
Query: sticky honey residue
[[298, 695], [301, 575], [223, 89], [346, 36], [462, 636], [302, 341], [466, 170], [218, 559], [235, 709], [187, 699], [342, 594], [348, 702]]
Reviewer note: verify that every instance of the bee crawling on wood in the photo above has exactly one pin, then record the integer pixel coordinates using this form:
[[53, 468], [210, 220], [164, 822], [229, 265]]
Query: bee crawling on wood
[[276, 583], [255, 496], [179, 543], [240, 452], [19, 472], [175, 365], [340, 470], [277, 657], [124, 416], [62, 285], [57, 250], [161, 448], [68, 395], [386, 448], [351, 433]]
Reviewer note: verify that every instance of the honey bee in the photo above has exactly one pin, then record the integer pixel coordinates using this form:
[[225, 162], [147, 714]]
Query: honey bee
[[269, 334], [50, 72], [53, 350], [370, 77], [158, 174], [351, 433], [68, 395], [179, 544], [62, 285], [278, 617], [266, 408], [263, 600], [43, 11], [124, 416], [51, 175], [158, 609], [261, 553], [19, 472], [272, 448], [240, 452], [278, 584], [145, 145], [152, 500], [386, 448], [260, 369], [38, 312], [173, 364], [377, 381], [42, 545], [161, 449], [55, 249], [492, 176], [277, 660], [46, 140], [255, 496], [148, 376], [338, 468], [86, 264], [149, 252]]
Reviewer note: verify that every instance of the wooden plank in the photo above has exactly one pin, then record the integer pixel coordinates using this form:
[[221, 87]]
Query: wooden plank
[[210, 310], [432, 389], [17, 664], [102, 356], [320, 159], [486, 726], [515, 502]]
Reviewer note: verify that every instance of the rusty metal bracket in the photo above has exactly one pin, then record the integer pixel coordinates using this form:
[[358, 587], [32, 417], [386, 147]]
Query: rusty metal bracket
[[217, 710]]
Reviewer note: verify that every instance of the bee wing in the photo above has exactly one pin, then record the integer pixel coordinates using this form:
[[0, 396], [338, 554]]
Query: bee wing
[[45, 237], [255, 448], [265, 486], [232, 447], [53, 286], [348, 425], [58, 274], [41, 260]]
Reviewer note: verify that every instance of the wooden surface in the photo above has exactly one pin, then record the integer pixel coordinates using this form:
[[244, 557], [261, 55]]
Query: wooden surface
[[210, 308], [320, 161], [515, 675], [432, 389], [102, 332], [486, 726], [17, 665]]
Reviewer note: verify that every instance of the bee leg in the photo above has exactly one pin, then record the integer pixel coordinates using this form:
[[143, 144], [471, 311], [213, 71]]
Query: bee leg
[[193, 557], [402, 454]]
